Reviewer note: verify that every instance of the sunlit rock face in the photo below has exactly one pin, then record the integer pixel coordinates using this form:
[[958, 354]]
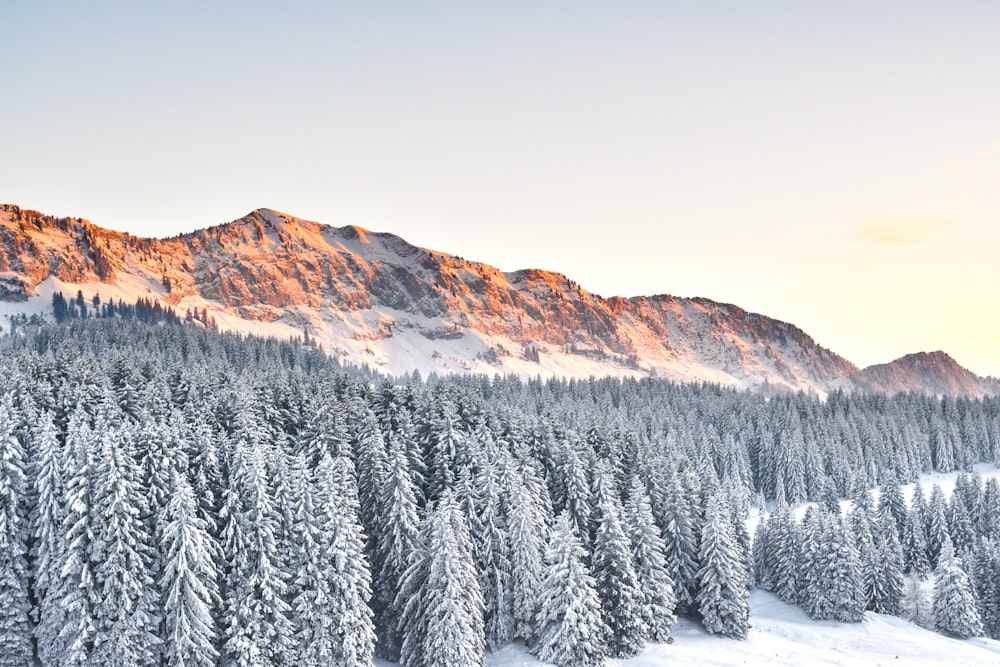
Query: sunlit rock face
[[373, 298]]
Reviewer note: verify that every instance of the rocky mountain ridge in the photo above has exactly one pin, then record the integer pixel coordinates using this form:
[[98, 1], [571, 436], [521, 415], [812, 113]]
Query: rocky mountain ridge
[[373, 298]]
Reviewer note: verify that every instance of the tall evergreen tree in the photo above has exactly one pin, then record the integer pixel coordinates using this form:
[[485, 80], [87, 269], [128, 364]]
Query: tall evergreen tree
[[77, 589], [189, 583], [723, 598], [955, 610], [649, 557], [125, 632], [442, 621], [571, 630], [396, 542], [15, 625], [49, 544], [618, 586]]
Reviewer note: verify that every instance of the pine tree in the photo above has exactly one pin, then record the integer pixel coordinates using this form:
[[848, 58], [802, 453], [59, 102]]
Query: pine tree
[[649, 557], [937, 525], [396, 542], [914, 545], [48, 546], [892, 507], [121, 556], [681, 542], [723, 598], [491, 548], [349, 576], [882, 570], [442, 621], [15, 626], [955, 610], [189, 583], [618, 587], [527, 543], [832, 587], [256, 627], [987, 585], [77, 592], [786, 554], [571, 631]]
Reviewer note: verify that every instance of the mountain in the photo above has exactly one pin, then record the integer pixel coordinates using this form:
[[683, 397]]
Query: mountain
[[933, 372], [373, 298]]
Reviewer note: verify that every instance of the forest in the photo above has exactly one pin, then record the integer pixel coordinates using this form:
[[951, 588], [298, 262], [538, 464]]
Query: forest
[[170, 495]]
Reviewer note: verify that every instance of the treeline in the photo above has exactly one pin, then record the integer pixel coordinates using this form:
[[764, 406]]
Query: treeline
[[175, 496], [146, 311]]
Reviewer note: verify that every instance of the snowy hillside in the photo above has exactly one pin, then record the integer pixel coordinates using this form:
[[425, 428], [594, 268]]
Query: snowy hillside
[[372, 298]]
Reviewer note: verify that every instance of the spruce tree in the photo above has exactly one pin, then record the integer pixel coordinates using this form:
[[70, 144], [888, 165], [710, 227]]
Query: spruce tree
[[526, 532], [618, 586], [15, 625], [723, 597], [396, 542], [77, 590], [649, 557], [955, 611], [442, 620], [571, 630], [49, 544], [121, 553], [349, 578], [189, 582]]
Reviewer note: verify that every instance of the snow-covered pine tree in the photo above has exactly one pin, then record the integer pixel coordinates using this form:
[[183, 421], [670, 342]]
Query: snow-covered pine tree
[[77, 590], [914, 546], [570, 628], [892, 506], [831, 583], [882, 570], [955, 609], [15, 625], [396, 541], [937, 525], [622, 599], [526, 532], [491, 549], [442, 620], [723, 598], [987, 585], [681, 542], [48, 545], [121, 555], [189, 582], [348, 585], [786, 542], [255, 624], [649, 557]]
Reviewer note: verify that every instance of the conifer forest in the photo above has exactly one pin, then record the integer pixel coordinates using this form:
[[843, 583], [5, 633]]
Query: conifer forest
[[173, 496]]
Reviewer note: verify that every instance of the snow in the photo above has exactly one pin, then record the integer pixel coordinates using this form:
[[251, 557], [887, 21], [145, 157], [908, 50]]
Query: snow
[[782, 634]]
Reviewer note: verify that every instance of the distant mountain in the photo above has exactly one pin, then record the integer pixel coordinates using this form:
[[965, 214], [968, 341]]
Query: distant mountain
[[930, 372], [373, 298]]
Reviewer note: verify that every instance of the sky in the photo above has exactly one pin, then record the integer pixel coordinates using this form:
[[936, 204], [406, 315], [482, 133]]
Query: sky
[[835, 165]]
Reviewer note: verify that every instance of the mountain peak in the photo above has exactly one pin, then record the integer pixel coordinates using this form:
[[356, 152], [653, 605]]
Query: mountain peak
[[374, 298], [936, 371]]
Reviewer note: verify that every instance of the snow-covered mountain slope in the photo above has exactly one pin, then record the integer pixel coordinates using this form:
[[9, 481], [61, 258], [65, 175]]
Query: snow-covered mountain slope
[[935, 372], [373, 298]]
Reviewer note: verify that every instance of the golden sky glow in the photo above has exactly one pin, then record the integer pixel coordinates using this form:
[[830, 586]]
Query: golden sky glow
[[835, 167]]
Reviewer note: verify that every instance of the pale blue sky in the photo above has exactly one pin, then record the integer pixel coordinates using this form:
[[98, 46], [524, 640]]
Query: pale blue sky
[[836, 165]]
